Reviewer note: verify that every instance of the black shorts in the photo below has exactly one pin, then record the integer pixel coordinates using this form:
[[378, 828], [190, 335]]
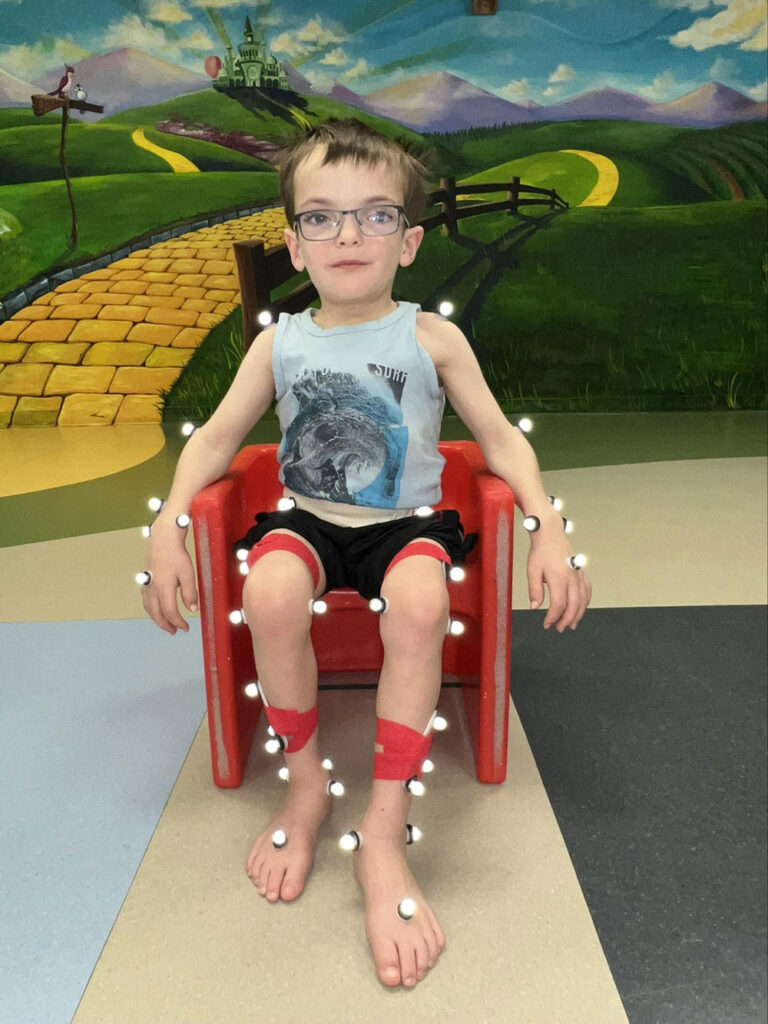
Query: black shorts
[[358, 556]]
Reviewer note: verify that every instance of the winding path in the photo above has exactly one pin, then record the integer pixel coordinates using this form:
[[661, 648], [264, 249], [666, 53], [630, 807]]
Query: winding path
[[178, 163], [607, 177]]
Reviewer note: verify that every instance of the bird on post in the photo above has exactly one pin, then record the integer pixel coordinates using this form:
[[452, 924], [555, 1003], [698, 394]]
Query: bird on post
[[65, 83]]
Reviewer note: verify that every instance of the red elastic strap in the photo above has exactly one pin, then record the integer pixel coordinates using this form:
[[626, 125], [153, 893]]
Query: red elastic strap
[[403, 753], [294, 726], [420, 547], [285, 542]]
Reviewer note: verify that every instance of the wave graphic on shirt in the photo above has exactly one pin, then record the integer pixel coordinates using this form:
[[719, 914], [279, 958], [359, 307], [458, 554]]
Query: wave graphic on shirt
[[347, 442]]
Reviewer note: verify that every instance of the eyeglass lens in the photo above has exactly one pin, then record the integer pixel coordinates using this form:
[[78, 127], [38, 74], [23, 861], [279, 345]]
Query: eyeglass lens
[[372, 220]]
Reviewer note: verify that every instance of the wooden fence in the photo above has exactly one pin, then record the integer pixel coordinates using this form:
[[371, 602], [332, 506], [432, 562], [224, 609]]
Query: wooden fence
[[261, 271]]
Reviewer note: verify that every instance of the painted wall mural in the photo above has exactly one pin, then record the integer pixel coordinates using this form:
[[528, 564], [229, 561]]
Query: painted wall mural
[[637, 280]]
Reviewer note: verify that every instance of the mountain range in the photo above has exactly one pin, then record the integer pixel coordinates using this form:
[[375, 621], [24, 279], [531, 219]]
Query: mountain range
[[434, 102]]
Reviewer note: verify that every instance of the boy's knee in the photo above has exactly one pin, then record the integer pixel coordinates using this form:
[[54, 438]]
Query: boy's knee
[[416, 611], [276, 598]]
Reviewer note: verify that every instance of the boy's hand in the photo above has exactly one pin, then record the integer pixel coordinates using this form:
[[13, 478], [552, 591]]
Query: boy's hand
[[171, 568], [569, 589]]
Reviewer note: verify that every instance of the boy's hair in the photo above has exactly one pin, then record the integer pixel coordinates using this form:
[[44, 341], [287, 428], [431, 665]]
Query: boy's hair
[[350, 139]]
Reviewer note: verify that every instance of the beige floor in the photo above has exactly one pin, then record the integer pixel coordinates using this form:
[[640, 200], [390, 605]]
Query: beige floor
[[687, 533], [195, 943]]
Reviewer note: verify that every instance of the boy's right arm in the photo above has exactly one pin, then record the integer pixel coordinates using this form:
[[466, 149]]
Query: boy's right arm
[[205, 458]]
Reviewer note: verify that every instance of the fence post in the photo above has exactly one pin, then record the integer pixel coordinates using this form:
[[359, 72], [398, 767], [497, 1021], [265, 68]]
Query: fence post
[[255, 288], [514, 194], [448, 208]]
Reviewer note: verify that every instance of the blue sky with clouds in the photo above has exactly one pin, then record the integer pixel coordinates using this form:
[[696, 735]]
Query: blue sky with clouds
[[544, 50]]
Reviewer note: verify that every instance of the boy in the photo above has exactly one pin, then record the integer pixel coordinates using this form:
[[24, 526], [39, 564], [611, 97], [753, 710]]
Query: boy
[[360, 384]]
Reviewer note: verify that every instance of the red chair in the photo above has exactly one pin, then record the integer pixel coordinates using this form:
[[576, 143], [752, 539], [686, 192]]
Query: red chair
[[346, 639]]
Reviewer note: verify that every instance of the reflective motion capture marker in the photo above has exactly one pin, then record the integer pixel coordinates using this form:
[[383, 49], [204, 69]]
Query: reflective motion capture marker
[[415, 786], [455, 628], [243, 569], [406, 909], [457, 573], [279, 839], [378, 605], [156, 504], [556, 503], [439, 724], [146, 531], [567, 525], [413, 834], [335, 788], [428, 766], [283, 773], [531, 523], [264, 318], [188, 429], [525, 425], [183, 520], [252, 690], [327, 763], [318, 607], [350, 842], [286, 504], [445, 308], [144, 578], [241, 554], [577, 561], [237, 617], [424, 511]]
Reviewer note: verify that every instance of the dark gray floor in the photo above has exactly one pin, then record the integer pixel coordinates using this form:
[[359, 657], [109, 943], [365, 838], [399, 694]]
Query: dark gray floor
[[649, 729]]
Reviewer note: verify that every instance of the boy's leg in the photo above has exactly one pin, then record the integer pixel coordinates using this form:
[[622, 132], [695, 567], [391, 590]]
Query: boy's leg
[[412, 631], [276, 596]]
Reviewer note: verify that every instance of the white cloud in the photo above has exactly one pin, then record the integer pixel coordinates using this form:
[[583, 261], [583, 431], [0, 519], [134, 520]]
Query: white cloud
[[562, 73], [691, 5], [29, 62], [517, 89], [315, 32], [168, 11], [217, 3], [552, 90], [759, 92], [742, 21], [336, 57], [358, 70], [285, 43], [661, 87], [133, 31], [723, 67]]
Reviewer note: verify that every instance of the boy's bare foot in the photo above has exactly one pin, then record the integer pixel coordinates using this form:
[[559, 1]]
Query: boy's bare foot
[[403, 951], [280, 874]]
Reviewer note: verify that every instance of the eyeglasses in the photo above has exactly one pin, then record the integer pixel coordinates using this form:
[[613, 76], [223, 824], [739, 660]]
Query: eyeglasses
[[322, 225]]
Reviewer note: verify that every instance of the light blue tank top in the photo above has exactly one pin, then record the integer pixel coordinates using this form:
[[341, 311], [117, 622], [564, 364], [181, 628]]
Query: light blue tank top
[[360, 408]]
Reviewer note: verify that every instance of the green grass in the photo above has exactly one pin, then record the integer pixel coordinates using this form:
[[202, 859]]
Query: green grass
[[618, 309], [658, 164], [571, 176], [101, 149], [111, 210]]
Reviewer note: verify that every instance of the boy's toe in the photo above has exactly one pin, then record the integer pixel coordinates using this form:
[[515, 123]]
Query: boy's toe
[[387, 963]]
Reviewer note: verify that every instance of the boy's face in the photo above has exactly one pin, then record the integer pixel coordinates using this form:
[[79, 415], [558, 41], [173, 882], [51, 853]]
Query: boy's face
[[352, 268]]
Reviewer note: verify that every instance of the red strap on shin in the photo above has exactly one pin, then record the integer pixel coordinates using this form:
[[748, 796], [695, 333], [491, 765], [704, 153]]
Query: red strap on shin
[[285, 542], [420, 547], [294, 726], [403, 751]]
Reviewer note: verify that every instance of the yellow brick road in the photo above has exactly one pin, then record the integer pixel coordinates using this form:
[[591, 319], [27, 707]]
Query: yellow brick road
[[102, 349]]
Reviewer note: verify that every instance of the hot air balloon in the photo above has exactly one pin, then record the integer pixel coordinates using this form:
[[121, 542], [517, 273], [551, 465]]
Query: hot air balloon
[[212, 66]]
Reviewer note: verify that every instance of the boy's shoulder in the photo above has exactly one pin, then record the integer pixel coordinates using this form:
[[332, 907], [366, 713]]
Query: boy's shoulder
[[437, 335]]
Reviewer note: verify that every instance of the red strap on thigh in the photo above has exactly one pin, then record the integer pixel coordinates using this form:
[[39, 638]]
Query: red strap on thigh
[[294, 727], [420, 547], [403, 753], [285, 542]]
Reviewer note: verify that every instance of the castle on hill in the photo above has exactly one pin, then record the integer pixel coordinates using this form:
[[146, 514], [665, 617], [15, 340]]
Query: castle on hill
[[255, 67]]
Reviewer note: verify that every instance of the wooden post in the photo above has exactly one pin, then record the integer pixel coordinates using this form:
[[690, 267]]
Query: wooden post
[[514, 194], [254, 286], [484, 6], [448, 207], [63, 162]]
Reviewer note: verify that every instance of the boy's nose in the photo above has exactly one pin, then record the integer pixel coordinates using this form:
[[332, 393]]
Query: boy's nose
[[350, 229]]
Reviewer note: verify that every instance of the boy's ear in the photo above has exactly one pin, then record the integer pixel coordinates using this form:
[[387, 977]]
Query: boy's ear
[[412, 238], [292, 244]]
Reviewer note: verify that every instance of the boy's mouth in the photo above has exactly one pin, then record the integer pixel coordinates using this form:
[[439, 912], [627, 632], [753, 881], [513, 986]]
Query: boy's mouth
[[342, 264]]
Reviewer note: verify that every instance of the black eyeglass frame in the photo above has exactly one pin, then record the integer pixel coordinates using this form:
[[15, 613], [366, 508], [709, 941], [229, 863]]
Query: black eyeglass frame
[[343, 213]]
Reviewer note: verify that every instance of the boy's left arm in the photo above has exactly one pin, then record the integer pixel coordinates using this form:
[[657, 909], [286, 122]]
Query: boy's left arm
[[509, 456]]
